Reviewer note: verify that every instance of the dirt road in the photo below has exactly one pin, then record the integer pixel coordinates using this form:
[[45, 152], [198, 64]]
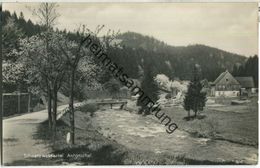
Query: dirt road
[[18, 142]]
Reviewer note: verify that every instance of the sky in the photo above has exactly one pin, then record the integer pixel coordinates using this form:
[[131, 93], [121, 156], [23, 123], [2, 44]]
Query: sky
[[229, 26]]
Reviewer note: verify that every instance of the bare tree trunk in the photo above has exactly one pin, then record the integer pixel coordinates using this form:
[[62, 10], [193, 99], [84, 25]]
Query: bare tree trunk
[[188, 114], [49, 108], [49, 89], [71, 106], [195, 113], [54, 112]]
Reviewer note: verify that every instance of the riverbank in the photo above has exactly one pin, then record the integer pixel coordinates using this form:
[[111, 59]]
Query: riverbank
[[118, 137], [97, 149], [143, 133]]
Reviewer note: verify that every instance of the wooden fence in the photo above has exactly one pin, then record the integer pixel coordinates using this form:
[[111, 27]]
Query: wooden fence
[[15, 103]]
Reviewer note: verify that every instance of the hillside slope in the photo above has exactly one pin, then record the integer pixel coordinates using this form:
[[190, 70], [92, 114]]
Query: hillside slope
[[171, 60]]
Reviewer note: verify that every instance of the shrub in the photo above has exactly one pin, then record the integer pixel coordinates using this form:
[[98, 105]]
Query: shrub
[[113, 86], [88, 108]]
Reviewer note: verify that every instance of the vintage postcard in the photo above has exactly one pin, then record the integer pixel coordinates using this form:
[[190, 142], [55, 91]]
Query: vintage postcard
[[129, 83]]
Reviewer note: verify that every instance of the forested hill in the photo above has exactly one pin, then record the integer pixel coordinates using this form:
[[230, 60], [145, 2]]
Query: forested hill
[[174, 61], [170, 60], [136, 40]]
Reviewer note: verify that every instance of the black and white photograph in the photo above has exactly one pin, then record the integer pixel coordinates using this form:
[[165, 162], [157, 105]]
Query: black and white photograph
[[129, 83]]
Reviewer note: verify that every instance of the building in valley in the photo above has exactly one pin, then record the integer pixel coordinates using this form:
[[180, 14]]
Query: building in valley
[[247, 85], [225, 85], [229, 86]]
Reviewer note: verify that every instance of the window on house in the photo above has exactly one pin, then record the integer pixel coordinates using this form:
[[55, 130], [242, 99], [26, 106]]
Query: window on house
[[226, 79], [228, 86]]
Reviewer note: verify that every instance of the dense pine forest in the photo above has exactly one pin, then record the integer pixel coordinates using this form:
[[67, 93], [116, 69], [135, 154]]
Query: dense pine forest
[[133, 49]]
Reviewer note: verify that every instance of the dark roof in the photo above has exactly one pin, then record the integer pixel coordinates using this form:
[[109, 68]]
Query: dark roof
[[219, 80], [220, 77], [246, 82]]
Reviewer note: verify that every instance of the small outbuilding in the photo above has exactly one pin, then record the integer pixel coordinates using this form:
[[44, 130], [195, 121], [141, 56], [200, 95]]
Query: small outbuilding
[[247, 85]]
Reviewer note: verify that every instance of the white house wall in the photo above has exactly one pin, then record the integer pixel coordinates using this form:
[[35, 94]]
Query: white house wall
[[227, 93]]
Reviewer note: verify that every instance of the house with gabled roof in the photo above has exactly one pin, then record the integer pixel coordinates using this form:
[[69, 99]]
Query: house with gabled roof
[[225, 85]]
